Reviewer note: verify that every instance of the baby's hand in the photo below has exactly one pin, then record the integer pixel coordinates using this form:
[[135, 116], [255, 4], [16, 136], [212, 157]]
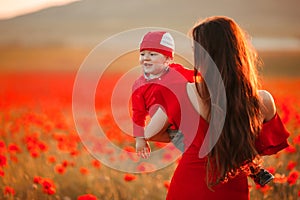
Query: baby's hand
[[142, 148]]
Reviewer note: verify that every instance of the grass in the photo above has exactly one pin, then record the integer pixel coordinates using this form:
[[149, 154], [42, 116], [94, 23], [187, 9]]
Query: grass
[[38, 137]]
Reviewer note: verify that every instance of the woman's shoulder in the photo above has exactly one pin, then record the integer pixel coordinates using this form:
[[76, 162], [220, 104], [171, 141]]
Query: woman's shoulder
[[268, 107], [198, 104]]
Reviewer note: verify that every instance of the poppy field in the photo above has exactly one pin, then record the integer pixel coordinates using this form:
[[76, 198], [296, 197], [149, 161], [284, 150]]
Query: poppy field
[[43, 157]]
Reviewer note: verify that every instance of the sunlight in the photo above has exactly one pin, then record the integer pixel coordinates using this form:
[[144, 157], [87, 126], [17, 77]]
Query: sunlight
[[13, 8]]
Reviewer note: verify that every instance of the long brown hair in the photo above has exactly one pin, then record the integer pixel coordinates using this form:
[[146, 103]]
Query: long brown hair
[[228, 46]]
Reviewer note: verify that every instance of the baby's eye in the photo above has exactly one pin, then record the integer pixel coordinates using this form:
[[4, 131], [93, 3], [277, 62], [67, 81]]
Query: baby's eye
[[142, 54], [153, 54]]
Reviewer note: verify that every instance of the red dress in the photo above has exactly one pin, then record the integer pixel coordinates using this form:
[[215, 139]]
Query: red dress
[[188, 181]]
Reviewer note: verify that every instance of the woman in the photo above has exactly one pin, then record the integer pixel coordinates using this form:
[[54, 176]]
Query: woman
[[251, 128]]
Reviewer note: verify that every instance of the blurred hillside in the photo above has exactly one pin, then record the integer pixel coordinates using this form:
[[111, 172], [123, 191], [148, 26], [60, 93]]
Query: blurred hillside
[[59, 38], [88, 22]]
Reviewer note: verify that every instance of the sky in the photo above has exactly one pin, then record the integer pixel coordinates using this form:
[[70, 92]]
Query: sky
[[12, 8]]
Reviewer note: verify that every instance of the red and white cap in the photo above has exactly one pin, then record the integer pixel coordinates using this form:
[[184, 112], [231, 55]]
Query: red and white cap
[[158, 41]]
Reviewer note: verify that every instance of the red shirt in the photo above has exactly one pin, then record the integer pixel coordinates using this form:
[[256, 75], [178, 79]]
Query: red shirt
[[147, 94]]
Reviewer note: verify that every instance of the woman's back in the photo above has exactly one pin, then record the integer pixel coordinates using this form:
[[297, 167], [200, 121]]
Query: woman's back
[[267, 105]]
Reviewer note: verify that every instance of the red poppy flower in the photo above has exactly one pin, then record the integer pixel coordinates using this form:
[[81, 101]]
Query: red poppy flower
[[14, 148], [42, 146], [293, 177], [129, 149], [3, 161], [37, 179], [167, 157], [2, 173], [296, 140], [129, 177], [167, 184], [48, 186], [143, 167], [264, 189], [2, 145], [34, 154], [96, 163], [50, 191], [290, 149], [14, 158], [87, 197], [74, 153], [291, 165], [60, 169], [83, 170], [52, 159], [65, 163], [271, 169], [9, 191]]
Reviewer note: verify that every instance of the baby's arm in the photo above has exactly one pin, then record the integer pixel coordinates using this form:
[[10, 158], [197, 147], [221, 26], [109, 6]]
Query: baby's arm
[[139, 114]]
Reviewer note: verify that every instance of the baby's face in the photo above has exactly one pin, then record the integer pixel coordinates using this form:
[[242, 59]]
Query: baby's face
[[153, 62]]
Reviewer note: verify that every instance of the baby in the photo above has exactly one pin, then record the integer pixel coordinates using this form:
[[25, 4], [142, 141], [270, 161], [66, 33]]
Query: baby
[[156, 53]]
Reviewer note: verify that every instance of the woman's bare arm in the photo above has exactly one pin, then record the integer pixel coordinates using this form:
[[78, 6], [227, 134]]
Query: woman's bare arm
[[157, 127], [268, 108]]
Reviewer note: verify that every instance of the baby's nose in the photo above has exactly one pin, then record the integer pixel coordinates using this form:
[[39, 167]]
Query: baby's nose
[[146, 57]]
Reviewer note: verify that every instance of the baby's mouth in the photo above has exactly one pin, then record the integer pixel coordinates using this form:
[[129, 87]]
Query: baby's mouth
[[147, 64]]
